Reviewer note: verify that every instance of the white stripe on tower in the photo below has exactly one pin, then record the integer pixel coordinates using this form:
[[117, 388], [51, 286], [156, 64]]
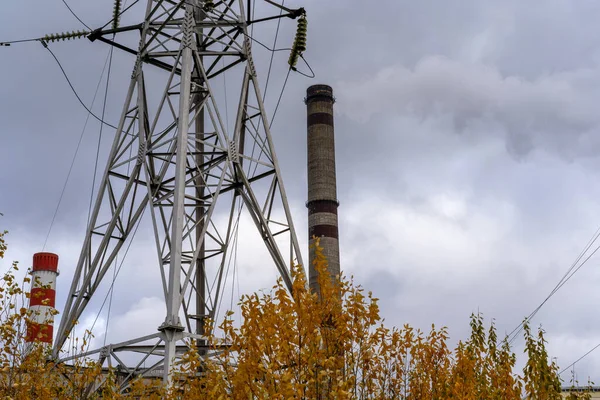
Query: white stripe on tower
[[42, 298]]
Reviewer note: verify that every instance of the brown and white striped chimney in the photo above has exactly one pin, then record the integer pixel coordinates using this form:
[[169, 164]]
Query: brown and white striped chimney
[[322, 201]]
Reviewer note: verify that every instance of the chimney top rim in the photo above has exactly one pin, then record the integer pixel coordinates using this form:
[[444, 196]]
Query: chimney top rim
[[319, 90]]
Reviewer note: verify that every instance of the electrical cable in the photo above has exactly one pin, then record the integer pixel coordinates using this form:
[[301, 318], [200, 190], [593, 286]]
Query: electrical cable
[[100, 135], [75, 15], [565, 278], [8, 43], [520, 327], [236, 275], [260, 43], [272, 52], [95, 169], [50, 38], [579, 359], [280, 96], [269, 71], [272, 119], [287, 49], [235, 271], [117, 273], [111, 290], [109, 59], [309, 67], [41, 40], [563, 281], [110, 299], [87, 118], [94, 179], [73, 89], [232, 260], [225, 95]]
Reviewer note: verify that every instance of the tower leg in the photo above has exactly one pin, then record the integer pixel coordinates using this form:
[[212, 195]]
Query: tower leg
[[172, 325]]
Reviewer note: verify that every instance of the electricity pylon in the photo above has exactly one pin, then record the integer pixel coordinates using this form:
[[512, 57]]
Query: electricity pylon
[[178, 161]]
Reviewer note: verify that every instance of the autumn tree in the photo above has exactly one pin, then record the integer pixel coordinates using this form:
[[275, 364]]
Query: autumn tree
[[299, 345], [26, 368], [333, 344]]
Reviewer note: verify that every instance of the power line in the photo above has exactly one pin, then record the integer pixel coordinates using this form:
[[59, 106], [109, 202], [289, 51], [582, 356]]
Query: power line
[[116, 274], [95, 169], [75, 155], [41, 40], [565, 278], [8, 43], [312, 73], [273, 52], [232, 261], [73, 89], [262, 44], [100, 134], [75, 15], [280, 96], [580, 358], [111, 291]]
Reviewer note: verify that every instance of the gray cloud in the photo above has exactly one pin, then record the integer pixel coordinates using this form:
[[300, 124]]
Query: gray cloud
[[467, 140], [553, 112]]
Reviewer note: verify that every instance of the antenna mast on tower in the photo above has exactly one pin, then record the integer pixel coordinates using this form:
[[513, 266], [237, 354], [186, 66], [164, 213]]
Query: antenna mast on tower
[[174, 159]]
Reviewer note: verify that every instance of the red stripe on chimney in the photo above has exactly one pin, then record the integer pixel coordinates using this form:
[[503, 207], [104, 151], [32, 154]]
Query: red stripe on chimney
[[39, 332], [42, 297]]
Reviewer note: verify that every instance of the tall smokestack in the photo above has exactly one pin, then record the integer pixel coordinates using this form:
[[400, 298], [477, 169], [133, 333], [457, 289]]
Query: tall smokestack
[[42, 298], [322, 201]]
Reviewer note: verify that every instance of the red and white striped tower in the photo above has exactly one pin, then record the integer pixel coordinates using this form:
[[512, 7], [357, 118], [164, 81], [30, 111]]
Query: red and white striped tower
[[322, 188], [43, 298]]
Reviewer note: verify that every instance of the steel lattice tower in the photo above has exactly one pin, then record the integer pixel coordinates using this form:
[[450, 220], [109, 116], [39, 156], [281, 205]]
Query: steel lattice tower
[[176, 161]]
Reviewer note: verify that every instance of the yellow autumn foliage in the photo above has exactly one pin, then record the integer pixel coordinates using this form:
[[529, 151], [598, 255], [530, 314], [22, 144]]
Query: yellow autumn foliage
[[333, 345], [300, 345]]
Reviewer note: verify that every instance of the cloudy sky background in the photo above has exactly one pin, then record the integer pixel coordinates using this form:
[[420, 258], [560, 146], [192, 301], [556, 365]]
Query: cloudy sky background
[[467, 140]]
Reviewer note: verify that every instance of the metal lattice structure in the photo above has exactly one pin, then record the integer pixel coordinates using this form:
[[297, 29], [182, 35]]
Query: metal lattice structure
[[176, 161]]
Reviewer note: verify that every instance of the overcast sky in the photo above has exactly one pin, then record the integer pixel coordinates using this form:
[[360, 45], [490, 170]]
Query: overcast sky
[[467, 138]]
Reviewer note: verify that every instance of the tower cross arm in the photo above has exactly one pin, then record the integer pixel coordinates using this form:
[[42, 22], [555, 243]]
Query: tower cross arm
[[97, 33]]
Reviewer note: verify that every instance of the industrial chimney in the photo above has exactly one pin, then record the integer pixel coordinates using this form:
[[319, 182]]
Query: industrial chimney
[[322, 201], [42, 298]]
